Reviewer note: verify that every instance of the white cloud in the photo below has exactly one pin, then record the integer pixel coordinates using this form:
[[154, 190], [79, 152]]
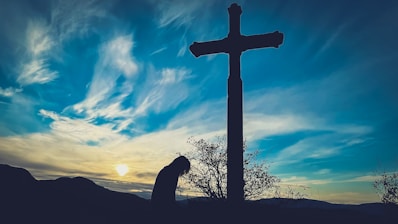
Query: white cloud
[[279, 111], [182, 51], [38, 38], [211, 117], [317, 97], [182, 14], [205, 117], [178, 12], [105, 95], [323, 171], [158, 51], [163, 93], [303, 181], [44, 40], [118, 54], [172, 75], [331, 40], [315, 147], [74, 17], [35, 66], [9, 91], [36, 71], [162, 90], [353, 129], [325, 145], [258, 125], [366, 178], [49, 114], [81, 130], [355, 141]]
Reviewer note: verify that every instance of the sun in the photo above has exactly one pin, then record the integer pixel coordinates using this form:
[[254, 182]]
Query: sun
[[122, 169]]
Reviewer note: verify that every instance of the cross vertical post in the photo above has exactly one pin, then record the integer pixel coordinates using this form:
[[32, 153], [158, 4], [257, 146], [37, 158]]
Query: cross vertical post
[[235, 181], [234, 44]]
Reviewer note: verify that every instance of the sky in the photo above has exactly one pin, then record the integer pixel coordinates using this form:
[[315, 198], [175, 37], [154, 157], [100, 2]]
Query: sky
[[88, 85]]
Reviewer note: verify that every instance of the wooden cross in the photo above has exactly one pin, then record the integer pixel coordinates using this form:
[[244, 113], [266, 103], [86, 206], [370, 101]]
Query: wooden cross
[[234, 44]]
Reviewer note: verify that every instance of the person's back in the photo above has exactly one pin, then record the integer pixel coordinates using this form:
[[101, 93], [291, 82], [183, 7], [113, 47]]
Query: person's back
[[163, 193]]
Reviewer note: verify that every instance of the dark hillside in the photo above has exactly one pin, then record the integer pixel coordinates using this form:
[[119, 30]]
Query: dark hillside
[[79, 200]]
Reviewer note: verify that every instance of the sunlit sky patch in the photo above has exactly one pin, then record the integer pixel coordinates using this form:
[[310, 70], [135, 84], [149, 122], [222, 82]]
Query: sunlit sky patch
[[88, 85]]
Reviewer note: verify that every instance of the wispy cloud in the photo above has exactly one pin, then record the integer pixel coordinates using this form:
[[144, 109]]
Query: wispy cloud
[[36, 71], [163, 90], [315, 147], [105, 95], [182, 14], [74, 18], [291, 109], [38, 39], [9, 91], [158, 51], [178, 12], [331, 89], [117, 55], [366, 178], [323, 171], [35, 66], [260, 125], [205, 119], [332, 39], [44, 40], [172, 76], [303, 181], [81, 130]]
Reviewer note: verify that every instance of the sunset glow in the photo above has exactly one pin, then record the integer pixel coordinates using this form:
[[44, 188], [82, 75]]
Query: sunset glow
[[122, 169]]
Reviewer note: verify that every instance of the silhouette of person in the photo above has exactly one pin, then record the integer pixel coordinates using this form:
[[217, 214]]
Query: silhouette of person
[[163, 193]]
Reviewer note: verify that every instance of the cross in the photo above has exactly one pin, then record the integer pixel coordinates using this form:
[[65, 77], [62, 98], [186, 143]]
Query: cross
[[234, 44]]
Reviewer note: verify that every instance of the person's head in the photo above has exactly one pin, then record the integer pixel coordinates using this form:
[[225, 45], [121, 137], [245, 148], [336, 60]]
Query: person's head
[[181, 164]]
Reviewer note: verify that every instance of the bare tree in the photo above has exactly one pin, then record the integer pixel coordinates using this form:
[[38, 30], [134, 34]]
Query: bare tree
[[387, 187], [209, 170], [291, 191]]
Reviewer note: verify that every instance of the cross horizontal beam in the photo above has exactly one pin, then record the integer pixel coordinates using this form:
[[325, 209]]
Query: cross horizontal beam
[[237, 44]]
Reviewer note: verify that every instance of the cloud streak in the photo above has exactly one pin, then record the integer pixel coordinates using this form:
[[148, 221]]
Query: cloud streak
[[105, 95], [163, 90], [177, 12], [35, 67], [44, 40], [9, 91]]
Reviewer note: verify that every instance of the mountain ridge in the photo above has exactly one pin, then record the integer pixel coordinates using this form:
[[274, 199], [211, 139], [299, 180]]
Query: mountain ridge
[[79, 200], [76, 199]]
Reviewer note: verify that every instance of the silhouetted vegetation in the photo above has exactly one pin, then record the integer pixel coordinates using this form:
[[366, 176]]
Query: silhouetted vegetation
[[209, 170], [387, 187]]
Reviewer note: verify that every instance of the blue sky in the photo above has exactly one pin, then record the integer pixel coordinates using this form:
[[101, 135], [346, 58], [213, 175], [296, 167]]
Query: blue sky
[[88, 85]]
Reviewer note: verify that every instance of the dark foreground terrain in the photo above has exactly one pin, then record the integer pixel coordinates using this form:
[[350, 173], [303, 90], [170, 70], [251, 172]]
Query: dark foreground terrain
[[23, 199]]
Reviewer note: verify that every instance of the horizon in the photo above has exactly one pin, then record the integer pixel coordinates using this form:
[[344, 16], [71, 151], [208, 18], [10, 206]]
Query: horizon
[[110, 91], [180, 197]]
